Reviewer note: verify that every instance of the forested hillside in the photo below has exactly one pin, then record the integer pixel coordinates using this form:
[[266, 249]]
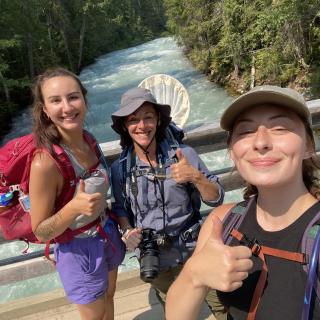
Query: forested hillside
[[36, 34], [239, 43]]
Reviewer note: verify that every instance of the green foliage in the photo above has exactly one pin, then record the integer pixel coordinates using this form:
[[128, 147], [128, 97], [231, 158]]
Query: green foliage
[[37, 34], [268, 65], [221, 37], [283, 36]]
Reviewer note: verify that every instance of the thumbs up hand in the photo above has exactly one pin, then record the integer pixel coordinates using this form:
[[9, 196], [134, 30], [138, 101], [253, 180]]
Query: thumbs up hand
[[85, 203], [182, 171], [216, 265]]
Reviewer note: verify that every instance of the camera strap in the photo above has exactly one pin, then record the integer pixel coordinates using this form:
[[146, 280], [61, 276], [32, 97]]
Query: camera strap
[[160, 183], [134, 185], [158, 177]]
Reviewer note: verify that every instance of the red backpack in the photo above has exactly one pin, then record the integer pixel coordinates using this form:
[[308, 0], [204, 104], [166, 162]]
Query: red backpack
[[15, 161]]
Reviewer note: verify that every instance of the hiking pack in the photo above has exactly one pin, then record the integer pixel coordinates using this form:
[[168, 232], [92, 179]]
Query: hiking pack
[[174, 136], [231, 224], [15, 161]]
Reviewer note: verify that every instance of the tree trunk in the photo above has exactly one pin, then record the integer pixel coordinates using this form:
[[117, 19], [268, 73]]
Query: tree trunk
[[236, 68], [253, 72], [49, 23], [208, 62], [82, 33], [30, 54], [66, 44], [5, 87]]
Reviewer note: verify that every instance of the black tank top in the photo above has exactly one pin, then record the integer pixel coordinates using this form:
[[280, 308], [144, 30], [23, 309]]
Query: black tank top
[[283, 296]]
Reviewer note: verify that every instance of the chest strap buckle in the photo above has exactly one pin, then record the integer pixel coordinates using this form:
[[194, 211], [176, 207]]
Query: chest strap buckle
[[251, 244]]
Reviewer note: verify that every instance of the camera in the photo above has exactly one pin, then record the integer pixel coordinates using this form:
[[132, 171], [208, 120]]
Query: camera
[[149, 255]]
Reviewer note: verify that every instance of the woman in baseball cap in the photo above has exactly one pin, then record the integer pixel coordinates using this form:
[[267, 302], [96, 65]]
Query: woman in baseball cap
[[257, 258], [158, 184]]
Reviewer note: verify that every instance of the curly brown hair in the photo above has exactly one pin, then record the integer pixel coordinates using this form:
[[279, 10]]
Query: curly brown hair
[[44, 129]]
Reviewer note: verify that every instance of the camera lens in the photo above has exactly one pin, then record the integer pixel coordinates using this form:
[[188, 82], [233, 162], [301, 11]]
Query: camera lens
[[149, 268], [149, 255]]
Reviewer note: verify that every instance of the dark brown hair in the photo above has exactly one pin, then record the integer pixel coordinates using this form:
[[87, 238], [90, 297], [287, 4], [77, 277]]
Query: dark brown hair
[[310, 167], [44, 129]]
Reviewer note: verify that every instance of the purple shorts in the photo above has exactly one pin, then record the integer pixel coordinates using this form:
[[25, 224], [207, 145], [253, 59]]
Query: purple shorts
[[83, 264]]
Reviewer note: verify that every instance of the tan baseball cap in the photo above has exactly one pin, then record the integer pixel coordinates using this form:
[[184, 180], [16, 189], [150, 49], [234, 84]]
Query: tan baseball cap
[[261, 95]]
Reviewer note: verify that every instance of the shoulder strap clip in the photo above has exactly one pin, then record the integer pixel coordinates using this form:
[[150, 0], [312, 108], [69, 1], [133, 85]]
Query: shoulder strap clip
[[245, 241]]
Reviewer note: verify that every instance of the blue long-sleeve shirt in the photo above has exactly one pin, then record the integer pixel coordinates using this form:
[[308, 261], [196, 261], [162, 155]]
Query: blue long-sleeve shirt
[[147, 206]]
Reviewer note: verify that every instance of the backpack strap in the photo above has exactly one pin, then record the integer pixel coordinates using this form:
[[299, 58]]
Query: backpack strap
[[69, 176], [65, 166], [66, 169], [97, 149], [124, 170], [232, 222], [127, 162], [310, 248], [174, 135], [261, 251], [233, 219], [24, 185], [313, 277], [309, 237]]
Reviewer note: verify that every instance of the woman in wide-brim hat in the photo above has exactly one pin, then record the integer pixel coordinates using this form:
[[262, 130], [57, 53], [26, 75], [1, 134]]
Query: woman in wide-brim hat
[[154, 180], [131, 101]]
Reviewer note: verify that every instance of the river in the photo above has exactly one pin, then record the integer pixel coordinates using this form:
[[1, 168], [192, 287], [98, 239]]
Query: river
[[106, 80], [112, 74]]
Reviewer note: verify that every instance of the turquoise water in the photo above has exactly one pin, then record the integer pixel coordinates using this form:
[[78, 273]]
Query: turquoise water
[[106, 80]]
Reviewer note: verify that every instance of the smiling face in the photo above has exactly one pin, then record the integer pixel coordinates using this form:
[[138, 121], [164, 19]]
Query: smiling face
[[142, 125], [64, 103], [268, 145]]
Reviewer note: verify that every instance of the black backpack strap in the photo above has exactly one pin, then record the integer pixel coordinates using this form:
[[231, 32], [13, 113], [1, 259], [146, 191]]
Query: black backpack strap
[[174, 134], [124, 172], [234, 218]]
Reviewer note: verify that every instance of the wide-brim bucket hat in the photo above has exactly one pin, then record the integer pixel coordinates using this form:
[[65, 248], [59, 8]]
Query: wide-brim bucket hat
[[262, 95], [131, 101]]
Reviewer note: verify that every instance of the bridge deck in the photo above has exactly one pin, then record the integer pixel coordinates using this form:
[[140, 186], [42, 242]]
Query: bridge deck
[[134, 300]]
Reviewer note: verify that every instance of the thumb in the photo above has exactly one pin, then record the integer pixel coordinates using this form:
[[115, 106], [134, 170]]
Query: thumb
[[217, 228], [179, 154], [82, 186]]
